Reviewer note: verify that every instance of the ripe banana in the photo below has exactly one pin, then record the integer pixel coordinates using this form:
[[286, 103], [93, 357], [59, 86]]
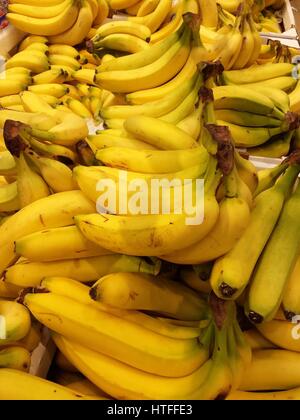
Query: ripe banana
[[123, 27], [15, 322], [233, 220], [147, 293], [75, 33], [16, 385], [15, 358], [58, 244], [284, 334], [158, 133], [257, 73], [56, 210], [232, 273], [154, 235], [47, 26], [30, 274], [9, 198], [81, 293], [265, 372]]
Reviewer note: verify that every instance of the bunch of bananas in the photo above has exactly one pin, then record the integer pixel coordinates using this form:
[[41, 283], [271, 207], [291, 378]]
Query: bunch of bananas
[[207, 361], [18, 336], [65, 22], [268, 267]]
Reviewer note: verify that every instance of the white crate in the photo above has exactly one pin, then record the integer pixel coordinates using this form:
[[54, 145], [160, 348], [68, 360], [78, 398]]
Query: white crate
[[290, 36], [9, 39]]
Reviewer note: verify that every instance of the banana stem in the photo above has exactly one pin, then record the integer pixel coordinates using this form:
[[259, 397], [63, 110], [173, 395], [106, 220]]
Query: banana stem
[[287, 181]]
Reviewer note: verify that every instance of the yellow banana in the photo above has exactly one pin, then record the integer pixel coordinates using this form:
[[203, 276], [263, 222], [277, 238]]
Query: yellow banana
[[58, 244], [15, 357], [147, 293], [81, 293], [30, 274], [17, 385], [15, 322], [283, 334]]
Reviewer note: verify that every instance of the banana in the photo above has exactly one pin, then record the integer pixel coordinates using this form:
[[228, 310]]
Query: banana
[[186, 107], [64, 60], [243, 99], [30, 185], [60, 153], [251, 137], [9, 198], [155, 74], [60, 49], [247, 172], [257, 341], [41, 12], [121, 4], [275, 148], [246, 119], [76, 382], [33, 338], [57, 175], [7, 164], [15, 358], [124, 27], [81, 293], [124, 381], [268, 177], [54, 75], [232, 273], [35, 61], [148, 293], [85, 76], [15, 322], [108, 334], [155, 161], [76, 32], [233, 220], [88, 178], [9, 291], [283, 247], [247, 46], [265, 372], [122, 42], [103, 12], [171, 26], [38, 46], [158, 133], [293, 394], [168, 232], [192, 124], [30, 274], [69, 130], [47, 26], [11, 87], [58, 244], [257, 73], [96, 106], [155, 19], [283, 334], [150, 95], [16, 385], [32, 39], [105, 140], [157, 108], [56, 210], [53, 89], [142, 58], [291, 296], [284, 83], [78, 108]]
